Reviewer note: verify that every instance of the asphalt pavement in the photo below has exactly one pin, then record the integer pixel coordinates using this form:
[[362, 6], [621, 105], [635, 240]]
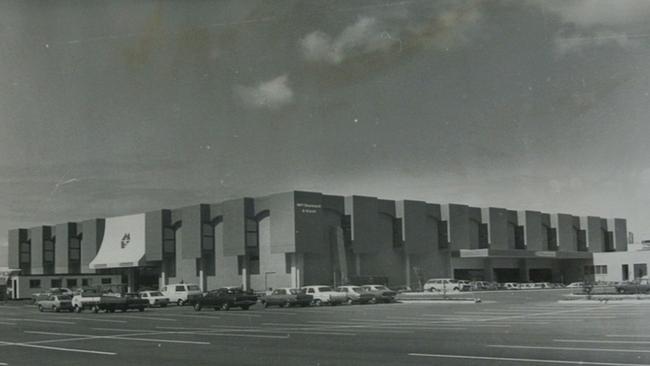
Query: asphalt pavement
[[507, 328]]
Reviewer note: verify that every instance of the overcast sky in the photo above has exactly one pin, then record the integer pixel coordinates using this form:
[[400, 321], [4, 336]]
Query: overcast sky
[[111, 108]]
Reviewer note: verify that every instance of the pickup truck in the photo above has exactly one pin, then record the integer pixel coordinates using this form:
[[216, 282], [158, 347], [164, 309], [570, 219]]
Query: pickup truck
[[85, 300], [111, 302], [223, 299]]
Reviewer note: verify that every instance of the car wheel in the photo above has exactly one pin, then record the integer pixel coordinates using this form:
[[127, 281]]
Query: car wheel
[[225, 306], [455, 289], [245, 307], [140, 309], [373, 300], [95, 309], [620, 290], [318, 302], [40, 308], [216, 308], [180, 302], [55, 309], [287, 304], [265, 304], [197, 307], [349, 302], [77, 309]]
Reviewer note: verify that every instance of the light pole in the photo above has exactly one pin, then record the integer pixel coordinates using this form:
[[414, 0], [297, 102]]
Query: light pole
[[266, 287]]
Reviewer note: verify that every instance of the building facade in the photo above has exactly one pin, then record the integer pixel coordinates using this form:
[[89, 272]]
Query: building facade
[[300, 238]]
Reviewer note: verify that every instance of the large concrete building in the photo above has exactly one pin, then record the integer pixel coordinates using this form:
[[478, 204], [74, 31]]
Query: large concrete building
[[299, 238]]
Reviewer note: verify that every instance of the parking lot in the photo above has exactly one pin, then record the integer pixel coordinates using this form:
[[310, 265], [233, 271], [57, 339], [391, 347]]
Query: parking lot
[[508, 328]]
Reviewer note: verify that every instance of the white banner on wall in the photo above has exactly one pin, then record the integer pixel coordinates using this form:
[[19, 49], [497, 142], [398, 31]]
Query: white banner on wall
[[123, 244]]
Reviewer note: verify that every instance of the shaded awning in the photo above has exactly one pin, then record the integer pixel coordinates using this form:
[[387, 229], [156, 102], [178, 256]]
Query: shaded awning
[[123, 244]]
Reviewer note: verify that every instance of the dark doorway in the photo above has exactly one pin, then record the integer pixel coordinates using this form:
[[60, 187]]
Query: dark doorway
[[540, 275], [506, 274], [469, 274], [640, 270]]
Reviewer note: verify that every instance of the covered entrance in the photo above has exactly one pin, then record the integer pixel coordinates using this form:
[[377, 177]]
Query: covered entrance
[[506, 275]]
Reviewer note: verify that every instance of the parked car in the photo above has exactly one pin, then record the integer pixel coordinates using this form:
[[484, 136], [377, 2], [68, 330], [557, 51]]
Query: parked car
[[380, 293], [325, 295], [355, 294], [286, 297], [55, 303], [115, 301], [539, 285], [224, 299], [511, 286], [178, 293], [155, 298], [641, 286], [85, 299], [575, 284], [53, 291], [445, 284]]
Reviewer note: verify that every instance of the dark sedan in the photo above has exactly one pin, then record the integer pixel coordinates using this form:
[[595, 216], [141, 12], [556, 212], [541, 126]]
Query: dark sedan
[[634, 287], [224, 299], [286, 297]]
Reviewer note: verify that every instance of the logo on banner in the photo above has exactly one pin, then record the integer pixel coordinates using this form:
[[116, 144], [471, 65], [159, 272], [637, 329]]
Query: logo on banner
[[126, 239]]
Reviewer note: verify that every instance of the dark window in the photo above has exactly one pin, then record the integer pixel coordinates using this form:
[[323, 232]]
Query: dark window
[[483, 240], [288, 261], [169, 252], [34, 283], [520, 242], [397, 233], [252, 235], [179, 288], [254, 264], [71, 282], [551, 235], [608, 241], [582, 241], [48, 257], [207, 251], [590, 270], [74, 255], [443, 235], [85, 282], [25, 258], [56, 283], [626, 272], [346, 225], [106, 281]]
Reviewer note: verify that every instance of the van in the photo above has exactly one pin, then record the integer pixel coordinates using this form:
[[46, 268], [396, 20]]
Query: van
[[178, 293]]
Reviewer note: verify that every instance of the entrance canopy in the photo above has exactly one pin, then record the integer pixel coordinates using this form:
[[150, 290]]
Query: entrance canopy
[[123, 244], [518, 253]]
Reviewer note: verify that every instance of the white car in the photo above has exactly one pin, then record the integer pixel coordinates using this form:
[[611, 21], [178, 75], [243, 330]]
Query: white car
[[355, 294], [155, 298], [445, 284], [511, 286], [178, 293], [325, 295], [575, 284]]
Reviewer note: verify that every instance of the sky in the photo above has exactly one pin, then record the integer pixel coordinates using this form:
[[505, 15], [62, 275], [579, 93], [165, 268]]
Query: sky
[[114, 108]]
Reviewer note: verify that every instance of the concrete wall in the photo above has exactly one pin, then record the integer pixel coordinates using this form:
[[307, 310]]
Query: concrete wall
[[15, 237], [615, 261], [593, 226], [534, 233], [92, 235], [38, 235], [154, 223], [272, 265], [619, 226], [63, 233], [226, 266], [566, 238], [457, 217], [364, 216]]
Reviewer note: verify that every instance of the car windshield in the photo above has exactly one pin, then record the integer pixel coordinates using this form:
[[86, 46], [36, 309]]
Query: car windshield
[[324, 289], [65, 297], [356, 289], [381, 287], [293, 291], [193, 288], [155, 293]]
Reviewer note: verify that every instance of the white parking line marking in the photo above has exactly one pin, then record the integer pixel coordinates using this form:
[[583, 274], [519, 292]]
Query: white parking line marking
[[599, 341], [356, 328], [571, 348], [198, 316], [122, 337], [4, 364], [629, 335], [58, 348], [41, 321], [524, 360], [7, 323], [262, 330], [148, 318]]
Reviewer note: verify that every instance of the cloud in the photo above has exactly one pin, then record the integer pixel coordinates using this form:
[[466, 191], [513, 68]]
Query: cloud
[[445, 25], [272, 94], [596, 23], [364, 36]]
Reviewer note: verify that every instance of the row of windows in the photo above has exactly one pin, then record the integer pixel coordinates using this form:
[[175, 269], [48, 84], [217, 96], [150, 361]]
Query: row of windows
[[600, 269], [69, 282]]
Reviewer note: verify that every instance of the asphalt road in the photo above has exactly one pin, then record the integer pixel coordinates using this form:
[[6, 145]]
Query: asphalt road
[[508, 328]]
